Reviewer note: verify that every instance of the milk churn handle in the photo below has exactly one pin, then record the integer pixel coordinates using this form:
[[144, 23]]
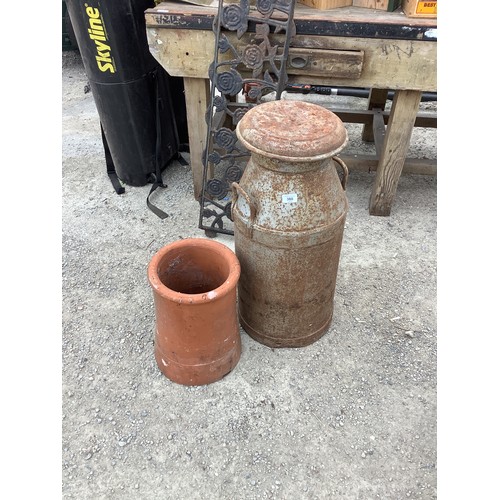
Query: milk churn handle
[[239, 191], [345, 169]]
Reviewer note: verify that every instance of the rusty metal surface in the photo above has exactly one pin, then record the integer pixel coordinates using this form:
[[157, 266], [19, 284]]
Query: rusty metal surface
[[292, 130], [289, 219]]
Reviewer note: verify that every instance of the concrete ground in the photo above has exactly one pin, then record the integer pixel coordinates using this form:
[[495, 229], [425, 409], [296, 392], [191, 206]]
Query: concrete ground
[[351, 416]]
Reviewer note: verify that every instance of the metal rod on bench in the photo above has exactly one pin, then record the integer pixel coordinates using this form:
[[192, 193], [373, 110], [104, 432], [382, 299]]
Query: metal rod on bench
[[304, 88]]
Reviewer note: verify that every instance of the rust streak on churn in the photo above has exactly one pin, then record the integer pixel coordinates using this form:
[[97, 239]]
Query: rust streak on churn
[[289, 211]]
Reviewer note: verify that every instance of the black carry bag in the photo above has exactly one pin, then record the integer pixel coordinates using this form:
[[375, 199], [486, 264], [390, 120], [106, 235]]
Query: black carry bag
[[141, 130]]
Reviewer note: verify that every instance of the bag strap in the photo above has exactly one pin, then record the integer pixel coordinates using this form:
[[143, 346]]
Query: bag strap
[[157, 180], [110, 166], [181, 148]]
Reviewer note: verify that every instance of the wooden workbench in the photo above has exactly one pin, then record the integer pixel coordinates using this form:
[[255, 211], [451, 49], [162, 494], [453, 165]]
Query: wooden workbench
[[391, 51]]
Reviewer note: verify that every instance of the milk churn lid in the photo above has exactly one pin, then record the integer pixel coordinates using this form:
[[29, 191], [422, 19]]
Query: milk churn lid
[[292, 131]]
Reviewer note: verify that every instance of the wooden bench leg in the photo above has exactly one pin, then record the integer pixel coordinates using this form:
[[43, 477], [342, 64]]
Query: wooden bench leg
[[197, 92], [377, 99], [397, 140]]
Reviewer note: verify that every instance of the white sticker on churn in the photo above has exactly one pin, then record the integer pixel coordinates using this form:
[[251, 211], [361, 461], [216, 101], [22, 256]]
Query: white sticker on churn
[[289, 198]]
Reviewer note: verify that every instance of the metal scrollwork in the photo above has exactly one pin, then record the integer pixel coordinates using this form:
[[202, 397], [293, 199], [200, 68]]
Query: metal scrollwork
[[246, 67]]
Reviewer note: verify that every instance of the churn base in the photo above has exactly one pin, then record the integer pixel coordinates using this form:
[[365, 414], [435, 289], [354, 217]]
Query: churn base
[[285, 342]]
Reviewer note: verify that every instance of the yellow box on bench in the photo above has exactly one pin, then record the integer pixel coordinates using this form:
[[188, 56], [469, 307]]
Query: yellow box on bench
[[326, 4], [420, 8]]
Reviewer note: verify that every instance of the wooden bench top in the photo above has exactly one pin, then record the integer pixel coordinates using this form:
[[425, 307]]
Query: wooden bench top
[[345, 22]]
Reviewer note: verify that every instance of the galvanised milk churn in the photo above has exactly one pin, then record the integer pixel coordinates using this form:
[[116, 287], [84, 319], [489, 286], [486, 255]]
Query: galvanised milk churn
[[289, 211]]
